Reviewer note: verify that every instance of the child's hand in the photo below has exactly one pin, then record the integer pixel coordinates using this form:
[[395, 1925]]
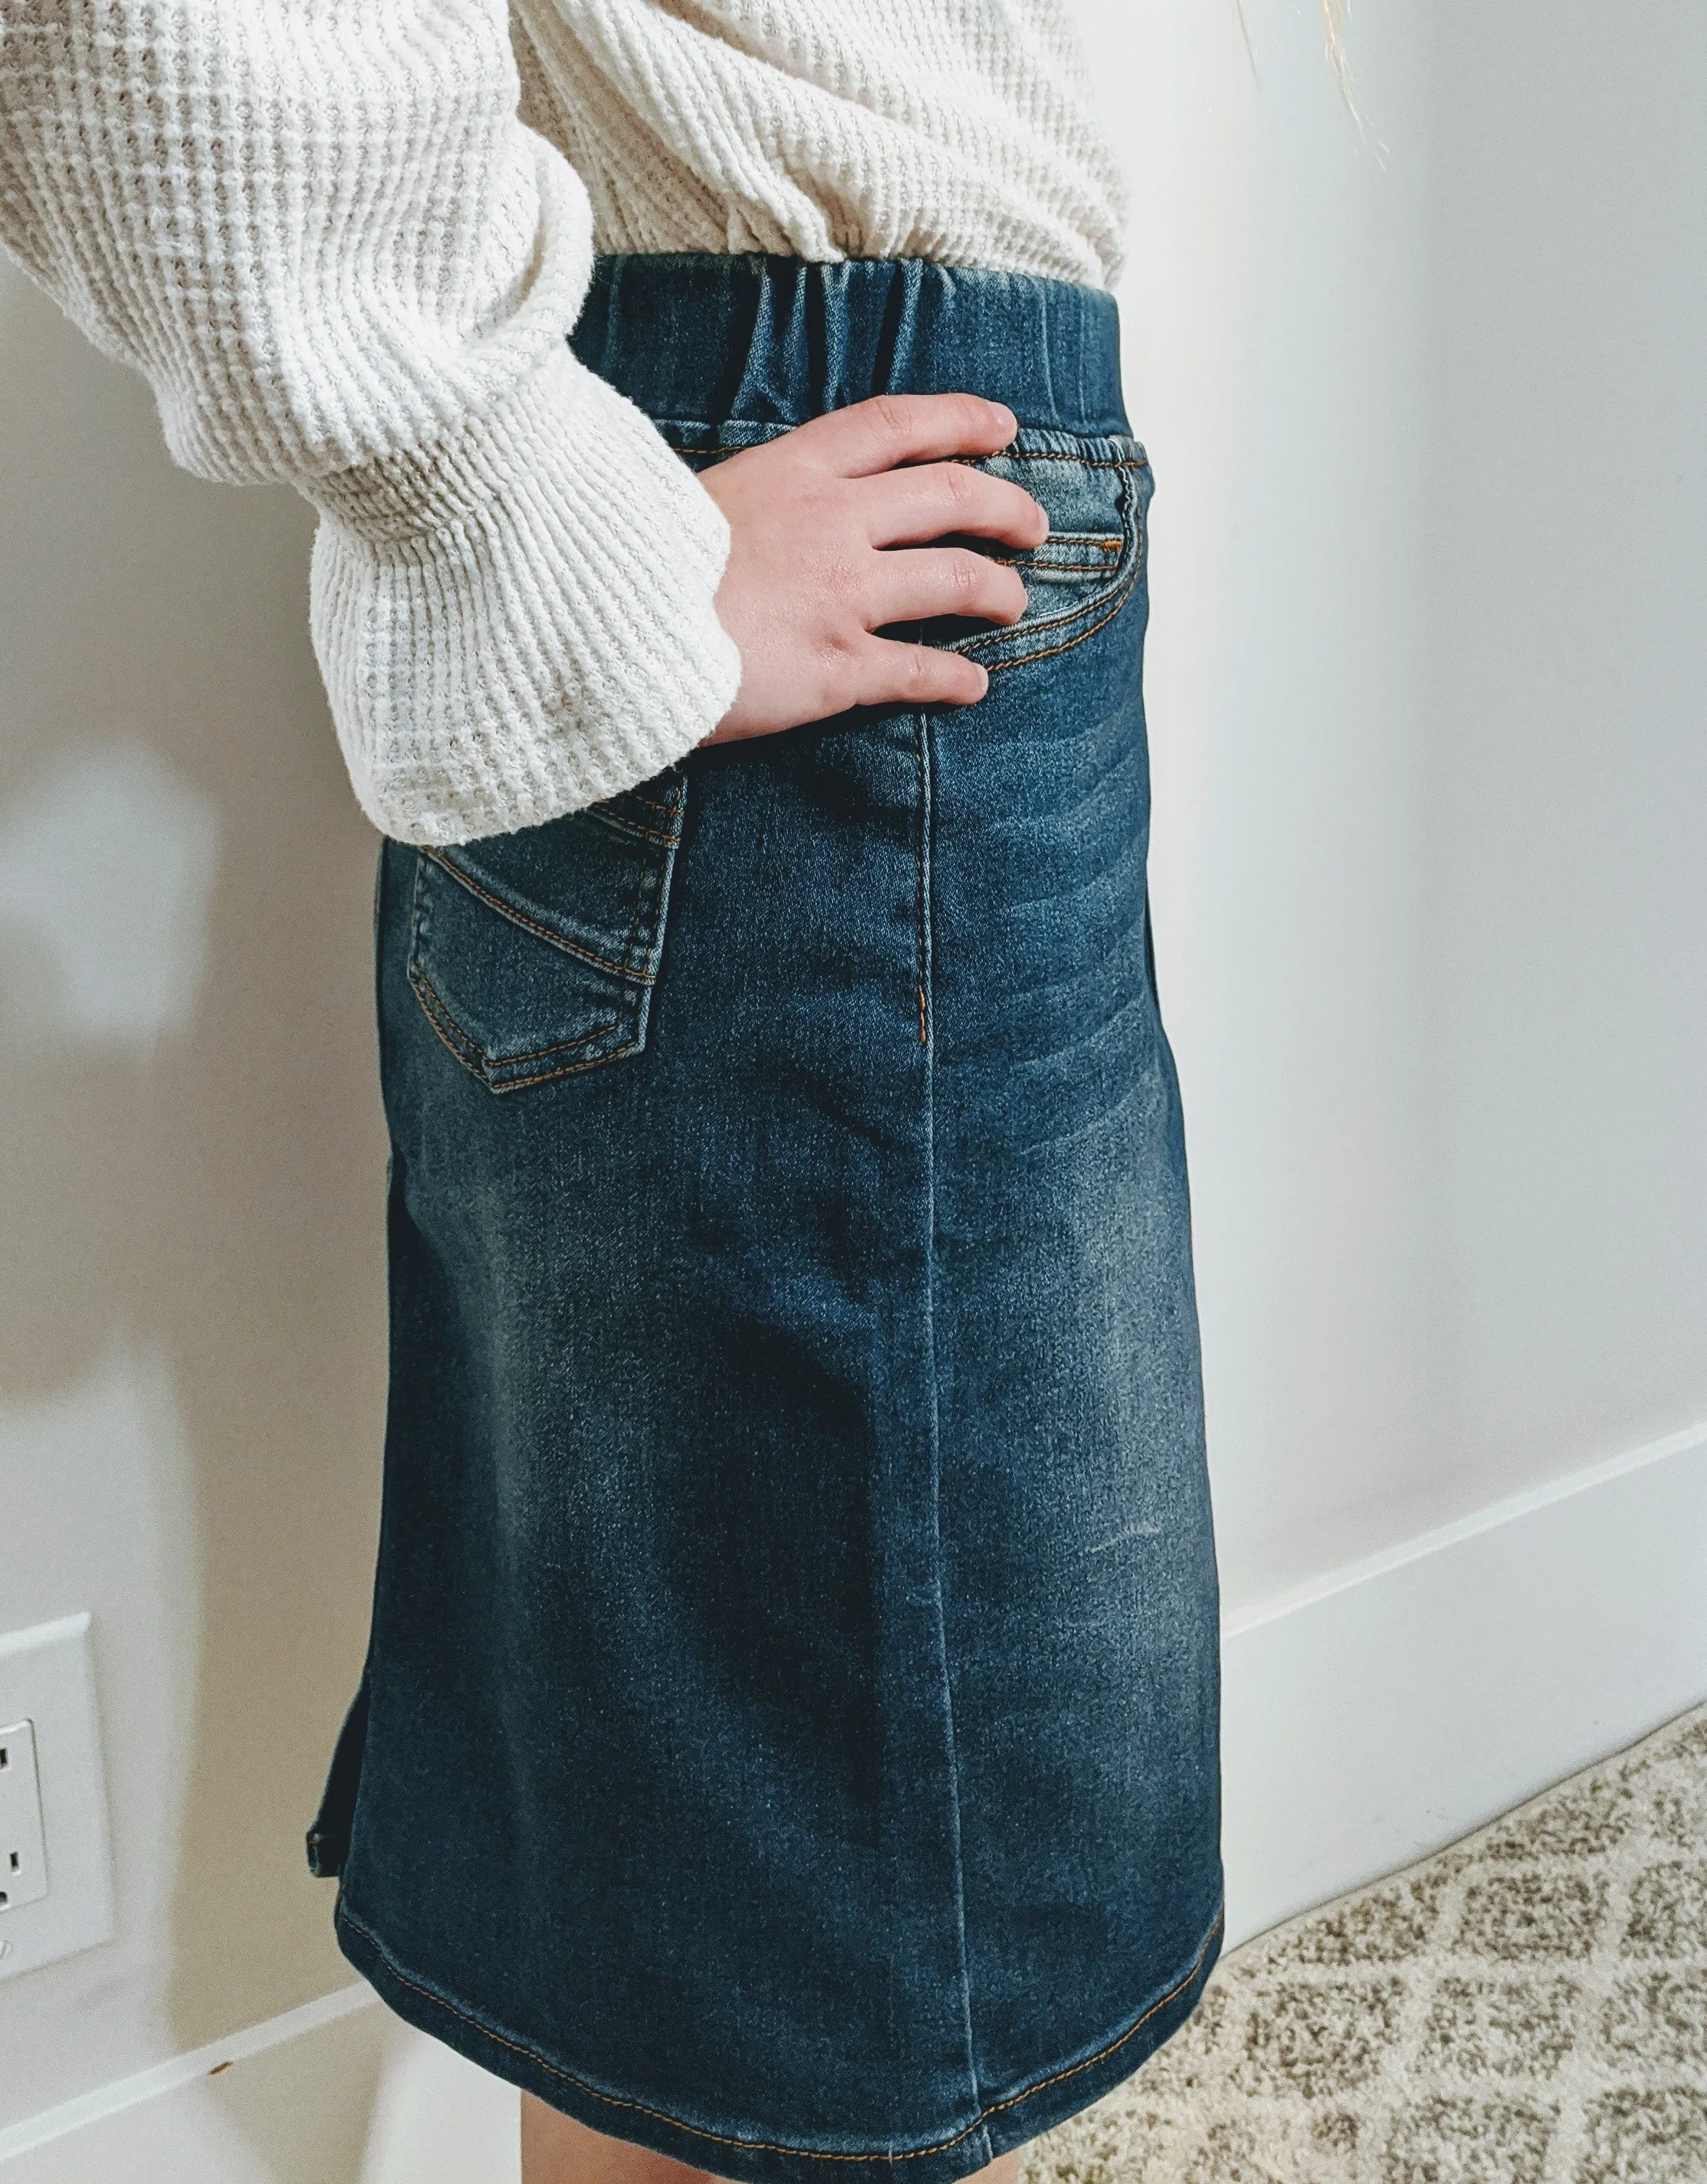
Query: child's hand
[[807, 580]]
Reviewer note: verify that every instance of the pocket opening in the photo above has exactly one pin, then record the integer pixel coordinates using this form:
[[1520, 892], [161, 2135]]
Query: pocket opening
[[1093, 568]]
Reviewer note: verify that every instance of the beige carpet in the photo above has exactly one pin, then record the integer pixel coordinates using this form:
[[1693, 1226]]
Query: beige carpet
[[1530, 2007]]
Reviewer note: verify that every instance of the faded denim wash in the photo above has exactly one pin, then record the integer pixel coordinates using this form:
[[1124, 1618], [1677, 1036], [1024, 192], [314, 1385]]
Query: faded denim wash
[[789, 1734]]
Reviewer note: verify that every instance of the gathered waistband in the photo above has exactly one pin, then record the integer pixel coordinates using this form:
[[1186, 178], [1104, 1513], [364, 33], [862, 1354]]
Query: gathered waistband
[[703, 338]]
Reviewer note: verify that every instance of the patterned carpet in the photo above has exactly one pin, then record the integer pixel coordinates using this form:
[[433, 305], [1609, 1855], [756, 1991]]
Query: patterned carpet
[[1529, 2007]]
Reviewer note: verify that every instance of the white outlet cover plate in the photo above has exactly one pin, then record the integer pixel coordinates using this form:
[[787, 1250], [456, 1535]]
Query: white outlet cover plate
[[47, 1678], [22, 1860]]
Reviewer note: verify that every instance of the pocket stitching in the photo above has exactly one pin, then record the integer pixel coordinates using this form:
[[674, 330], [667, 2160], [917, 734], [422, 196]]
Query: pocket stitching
[[668, 809], [569, 1069], [468, 1051], [475, 1059], [1112, 601], [450, 1034], [546, 933], [1049, 651], [621, 826], [1106, 542]]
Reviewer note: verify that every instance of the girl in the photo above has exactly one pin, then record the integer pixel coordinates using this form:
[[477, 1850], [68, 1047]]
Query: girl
[[788, 1743]]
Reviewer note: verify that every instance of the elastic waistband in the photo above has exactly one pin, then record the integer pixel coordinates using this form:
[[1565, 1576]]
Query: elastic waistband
[[702, 338]]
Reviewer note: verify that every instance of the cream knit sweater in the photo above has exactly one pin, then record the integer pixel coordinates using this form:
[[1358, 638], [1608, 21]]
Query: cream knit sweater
[[345, 239]]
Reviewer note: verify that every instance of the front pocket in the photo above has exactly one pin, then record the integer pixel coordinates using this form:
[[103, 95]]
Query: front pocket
[[534, 955], [1095, 492]]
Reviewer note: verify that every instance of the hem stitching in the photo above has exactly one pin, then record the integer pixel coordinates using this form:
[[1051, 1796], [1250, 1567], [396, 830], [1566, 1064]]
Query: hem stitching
[[761, 2146]]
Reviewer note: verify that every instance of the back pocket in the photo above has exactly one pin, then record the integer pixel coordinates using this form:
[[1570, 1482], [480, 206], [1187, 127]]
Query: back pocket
[[534, 955]]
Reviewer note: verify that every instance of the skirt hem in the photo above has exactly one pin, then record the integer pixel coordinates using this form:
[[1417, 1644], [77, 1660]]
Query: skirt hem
[[1038, 2104]]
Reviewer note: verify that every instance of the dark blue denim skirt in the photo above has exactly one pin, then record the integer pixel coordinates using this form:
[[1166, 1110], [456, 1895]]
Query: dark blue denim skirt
[[788, 1738]]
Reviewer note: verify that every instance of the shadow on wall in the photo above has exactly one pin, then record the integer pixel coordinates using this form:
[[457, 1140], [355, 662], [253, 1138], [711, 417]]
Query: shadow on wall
[[192, 1181]]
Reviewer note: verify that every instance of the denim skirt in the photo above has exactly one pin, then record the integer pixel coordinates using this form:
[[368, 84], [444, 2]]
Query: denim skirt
[[788, 1737]]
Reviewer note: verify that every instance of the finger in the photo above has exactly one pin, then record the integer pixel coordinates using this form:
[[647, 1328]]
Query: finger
[[928, 500], [888, 429], [911, 585], [890, 673]]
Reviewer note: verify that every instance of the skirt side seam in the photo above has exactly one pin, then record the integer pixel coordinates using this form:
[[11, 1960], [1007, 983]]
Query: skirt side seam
[[927, 1011]]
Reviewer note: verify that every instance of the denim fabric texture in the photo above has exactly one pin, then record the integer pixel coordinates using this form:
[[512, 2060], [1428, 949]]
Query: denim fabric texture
[[789, 1734]]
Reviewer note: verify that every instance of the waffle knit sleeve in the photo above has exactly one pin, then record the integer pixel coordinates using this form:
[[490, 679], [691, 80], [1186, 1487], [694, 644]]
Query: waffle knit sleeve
[[318, 229]]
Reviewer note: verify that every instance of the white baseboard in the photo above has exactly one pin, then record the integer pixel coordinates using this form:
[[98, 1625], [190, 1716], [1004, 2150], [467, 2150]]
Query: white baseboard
[[1397, 1703], [1369, 1718], [285, 2102]]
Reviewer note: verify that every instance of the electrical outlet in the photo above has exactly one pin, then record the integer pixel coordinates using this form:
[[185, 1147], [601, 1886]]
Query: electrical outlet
[[23, 1855], [52, 1799]]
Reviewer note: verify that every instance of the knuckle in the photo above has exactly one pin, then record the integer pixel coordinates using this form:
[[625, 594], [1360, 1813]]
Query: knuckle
[[965, 572], [889, 414]]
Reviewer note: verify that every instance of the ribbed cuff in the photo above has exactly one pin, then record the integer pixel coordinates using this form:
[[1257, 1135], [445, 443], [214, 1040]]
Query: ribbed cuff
[[518, 620]]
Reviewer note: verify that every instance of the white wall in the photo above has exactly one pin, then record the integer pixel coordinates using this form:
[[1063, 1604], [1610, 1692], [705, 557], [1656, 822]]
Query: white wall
[[192, 1165], [1427, 642], [1568, 763], [1427, 651], [1276, 311]]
